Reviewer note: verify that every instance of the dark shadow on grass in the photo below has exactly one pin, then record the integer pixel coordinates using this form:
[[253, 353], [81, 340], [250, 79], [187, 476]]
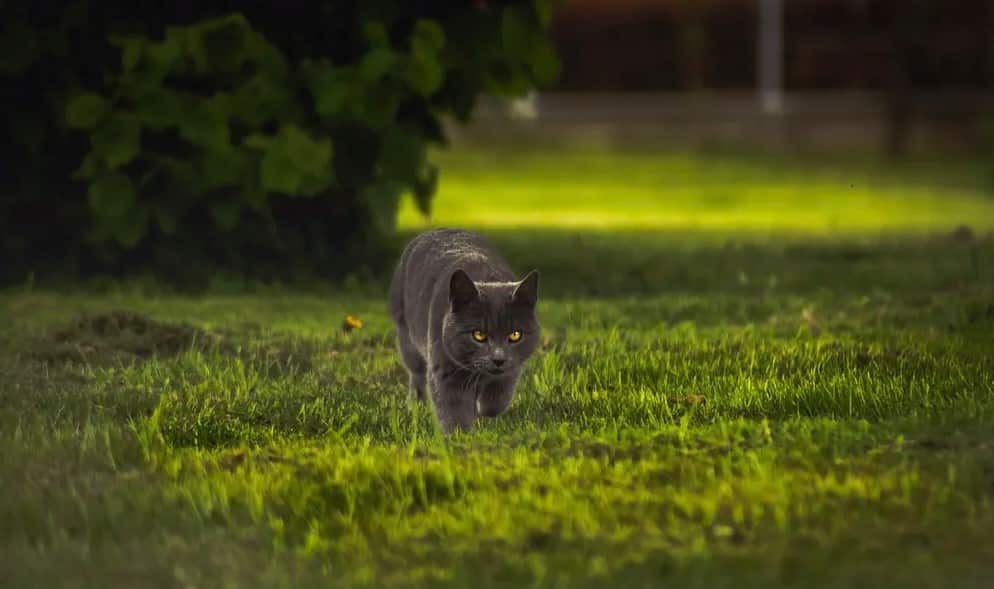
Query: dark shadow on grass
[[113, 338], [123, 337], [589, 263]]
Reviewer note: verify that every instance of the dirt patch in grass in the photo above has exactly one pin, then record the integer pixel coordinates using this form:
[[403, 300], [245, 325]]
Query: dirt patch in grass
[[114, 337], [124, 337]]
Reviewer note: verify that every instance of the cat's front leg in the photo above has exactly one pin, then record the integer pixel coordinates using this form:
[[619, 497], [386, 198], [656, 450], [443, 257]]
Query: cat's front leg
[[413, 361], [455, 405]]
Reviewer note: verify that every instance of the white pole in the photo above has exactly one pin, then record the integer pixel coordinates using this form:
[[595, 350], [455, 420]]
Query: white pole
[[770, 56]]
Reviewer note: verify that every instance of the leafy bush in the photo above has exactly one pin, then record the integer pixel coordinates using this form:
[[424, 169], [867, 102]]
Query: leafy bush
[[241, 141]]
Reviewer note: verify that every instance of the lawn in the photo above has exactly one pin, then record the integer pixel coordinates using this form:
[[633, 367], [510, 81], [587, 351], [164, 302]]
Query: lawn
[[754, 372]]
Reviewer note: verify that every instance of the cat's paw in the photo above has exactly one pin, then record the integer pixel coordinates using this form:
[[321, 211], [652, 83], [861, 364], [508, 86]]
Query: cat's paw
[[418, 386]]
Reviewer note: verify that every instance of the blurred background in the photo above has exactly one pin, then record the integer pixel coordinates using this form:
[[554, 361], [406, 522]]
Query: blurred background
[[871, 75], [197, 145]]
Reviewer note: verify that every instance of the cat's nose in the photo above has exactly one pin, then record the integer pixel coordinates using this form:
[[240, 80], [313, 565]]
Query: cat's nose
[[498, 362]]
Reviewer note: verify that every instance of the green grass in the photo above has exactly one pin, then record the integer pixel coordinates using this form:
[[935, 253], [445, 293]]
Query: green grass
[[676, 191], [754, 373]]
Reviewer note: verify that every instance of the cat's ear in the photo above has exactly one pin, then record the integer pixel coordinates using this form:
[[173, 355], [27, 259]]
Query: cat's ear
[[462, 291], [526, 292]]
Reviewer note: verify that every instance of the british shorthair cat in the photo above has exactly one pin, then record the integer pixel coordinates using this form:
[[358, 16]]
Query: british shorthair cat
[[465, 325]]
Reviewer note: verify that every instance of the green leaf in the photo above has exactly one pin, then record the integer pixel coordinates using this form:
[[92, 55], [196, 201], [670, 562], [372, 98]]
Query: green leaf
[[376, 64], [378, 106], [166, 220], [263, 97], [425, 188], [111, 195], [204, 124], [330, 88], [166, 56], [257, 141], [86, 110], [545, 63], [293, 163], [277, 170], [428, 35], [190, 38], [424, 73], [225, 42], [270, 60], [312, 158], [89, 168], [382, 199], [506, 81], [131, 50], [296, 141], [160, 109], [401, 156], [312, 184], [118, 141]]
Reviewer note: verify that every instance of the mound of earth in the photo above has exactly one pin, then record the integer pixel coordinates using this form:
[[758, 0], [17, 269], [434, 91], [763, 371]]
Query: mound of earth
[[117, 336]]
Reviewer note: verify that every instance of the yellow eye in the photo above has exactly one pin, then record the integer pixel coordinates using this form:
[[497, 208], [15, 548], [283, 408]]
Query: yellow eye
[[514, 336], [479, 336]]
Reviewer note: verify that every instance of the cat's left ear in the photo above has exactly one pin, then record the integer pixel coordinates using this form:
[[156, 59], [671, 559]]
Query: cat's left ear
[[462, 290], [526, 292]]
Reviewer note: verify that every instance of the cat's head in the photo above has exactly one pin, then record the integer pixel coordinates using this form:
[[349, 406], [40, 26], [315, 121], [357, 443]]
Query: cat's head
[[491, 327]]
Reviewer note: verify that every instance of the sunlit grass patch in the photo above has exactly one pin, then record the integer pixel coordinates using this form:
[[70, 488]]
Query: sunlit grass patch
[[736, 393], [591, 189]]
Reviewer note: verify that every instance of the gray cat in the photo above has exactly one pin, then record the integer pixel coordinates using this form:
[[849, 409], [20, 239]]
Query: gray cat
[[464, 326]]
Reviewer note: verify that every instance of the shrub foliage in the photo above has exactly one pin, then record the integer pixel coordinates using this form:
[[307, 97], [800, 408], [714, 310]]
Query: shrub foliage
[[185, 138]]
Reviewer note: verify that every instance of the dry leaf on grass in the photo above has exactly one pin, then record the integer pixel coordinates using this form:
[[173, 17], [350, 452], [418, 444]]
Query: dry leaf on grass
[[351, 323]]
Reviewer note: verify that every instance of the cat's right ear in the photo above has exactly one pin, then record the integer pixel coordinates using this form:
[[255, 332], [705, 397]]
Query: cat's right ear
[[462, 291], [526, 292]]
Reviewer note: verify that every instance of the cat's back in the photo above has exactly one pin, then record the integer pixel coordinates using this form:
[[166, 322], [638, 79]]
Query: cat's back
[[428, 262], [450, 241], [440, 251]]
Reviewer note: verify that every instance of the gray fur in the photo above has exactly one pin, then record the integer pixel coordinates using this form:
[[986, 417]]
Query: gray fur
[[448, 284]]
